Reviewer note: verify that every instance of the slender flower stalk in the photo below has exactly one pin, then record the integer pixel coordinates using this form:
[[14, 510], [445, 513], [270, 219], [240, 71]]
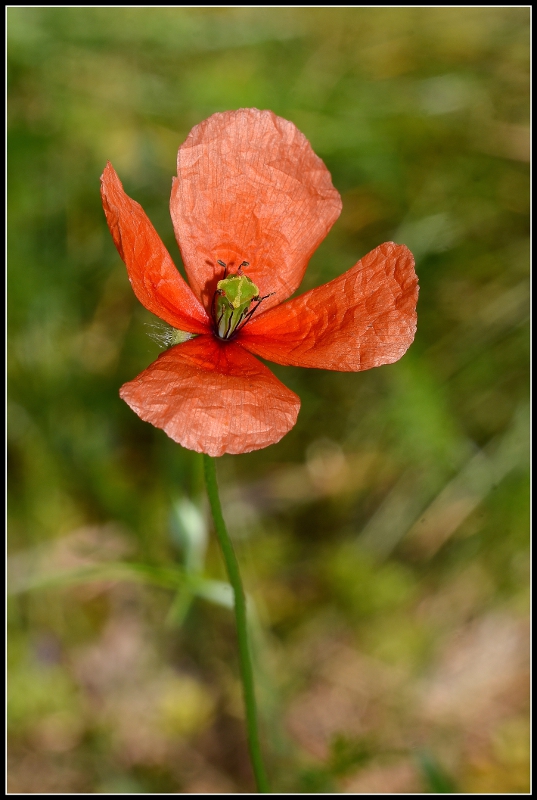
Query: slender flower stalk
[[247, 675]]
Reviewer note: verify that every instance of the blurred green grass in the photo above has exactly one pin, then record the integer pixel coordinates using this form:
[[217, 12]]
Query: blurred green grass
[[385, 538]]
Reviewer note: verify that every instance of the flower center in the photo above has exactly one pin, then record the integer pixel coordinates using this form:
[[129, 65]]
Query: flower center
[[231, 305], [235, 300]]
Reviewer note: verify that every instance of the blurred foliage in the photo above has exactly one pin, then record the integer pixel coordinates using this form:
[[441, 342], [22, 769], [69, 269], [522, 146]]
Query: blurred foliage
[[384, 540]]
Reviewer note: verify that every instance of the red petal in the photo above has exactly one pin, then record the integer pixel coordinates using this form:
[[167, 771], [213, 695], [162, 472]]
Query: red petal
[[214, 398], [250, 188], [365, 318], [156, 282]]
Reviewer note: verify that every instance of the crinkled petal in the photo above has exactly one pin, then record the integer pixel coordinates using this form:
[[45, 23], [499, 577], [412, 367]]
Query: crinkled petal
[[214, 398], [250, 188], [154, 277], [365, 318]]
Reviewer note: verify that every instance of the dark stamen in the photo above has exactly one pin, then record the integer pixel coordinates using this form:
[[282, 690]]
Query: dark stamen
[[248, 314], [218, 292]]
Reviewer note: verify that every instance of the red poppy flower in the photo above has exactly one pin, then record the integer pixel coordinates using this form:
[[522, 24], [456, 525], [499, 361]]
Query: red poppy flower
[[250, 205]]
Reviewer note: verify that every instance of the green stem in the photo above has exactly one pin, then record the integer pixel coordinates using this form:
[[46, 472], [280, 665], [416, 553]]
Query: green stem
[[247, 675]]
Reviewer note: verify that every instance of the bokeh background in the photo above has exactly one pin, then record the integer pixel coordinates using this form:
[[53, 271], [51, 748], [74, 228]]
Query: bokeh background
[[384, 540]]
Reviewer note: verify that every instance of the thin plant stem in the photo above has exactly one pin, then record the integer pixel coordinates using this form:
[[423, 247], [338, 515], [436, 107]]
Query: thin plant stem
[[247, 675]]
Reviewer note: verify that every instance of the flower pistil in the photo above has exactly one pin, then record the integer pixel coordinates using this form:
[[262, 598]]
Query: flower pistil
[[235, 300]]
